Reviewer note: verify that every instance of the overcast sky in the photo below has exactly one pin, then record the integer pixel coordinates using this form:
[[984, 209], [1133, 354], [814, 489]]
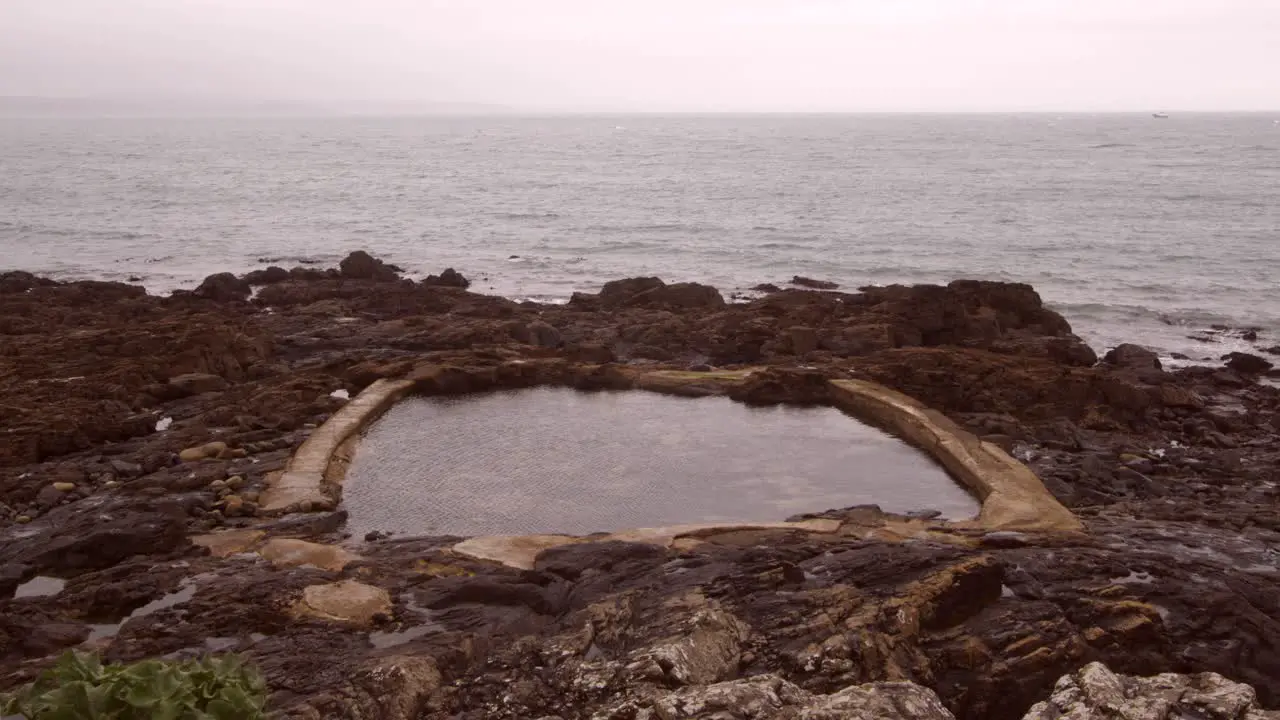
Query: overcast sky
[[657, 55]]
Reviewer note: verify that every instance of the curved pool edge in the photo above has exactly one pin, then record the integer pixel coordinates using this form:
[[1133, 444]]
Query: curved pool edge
[[1012, 496], [319, 462]]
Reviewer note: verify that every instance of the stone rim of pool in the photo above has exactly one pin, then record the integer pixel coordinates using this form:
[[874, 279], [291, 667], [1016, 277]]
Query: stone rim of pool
[[1012, 497]]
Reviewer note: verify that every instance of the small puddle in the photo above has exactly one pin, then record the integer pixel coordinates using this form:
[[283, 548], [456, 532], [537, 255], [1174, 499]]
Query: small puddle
[[1133, 578], [40, 586], [384, 640], [186, 590], [220, 644]]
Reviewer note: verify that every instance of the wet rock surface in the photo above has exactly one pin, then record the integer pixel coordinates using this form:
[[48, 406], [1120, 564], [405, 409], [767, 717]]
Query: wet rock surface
[[1174, 475]]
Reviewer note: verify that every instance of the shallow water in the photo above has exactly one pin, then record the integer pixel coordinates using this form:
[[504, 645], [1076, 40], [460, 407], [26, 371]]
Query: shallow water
[[40, 586], [185, 591], [560, 461]]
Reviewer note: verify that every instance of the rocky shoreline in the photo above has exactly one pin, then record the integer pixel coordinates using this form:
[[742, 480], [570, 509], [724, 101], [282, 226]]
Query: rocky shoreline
[[134, 424]]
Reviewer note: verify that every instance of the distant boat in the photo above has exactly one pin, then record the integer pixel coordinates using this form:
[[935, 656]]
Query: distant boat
[[1160, 116]]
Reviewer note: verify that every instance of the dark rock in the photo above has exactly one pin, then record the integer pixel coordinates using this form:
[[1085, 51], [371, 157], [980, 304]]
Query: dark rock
[[1070, 351], [1273, 350], [46, 638], [307, 274], [767, 288], [1136, 481], [1179, 356], [307, 524], [1004, 442], [17, 281], [11, 576], [776, 385], [544, 335], [1249, 335], [853, 340], [1095, 466], [803, 340], [269, 276], [360, 265], [1133, 357], [1220, 440], [48, 497], [448, 278], [681, 295], [84, 536], [589, 353], [618, 292], [1230, 460], [651, 352], [573, 561], [196, 384], [1246, 363], [650, 291], [223, 287], [1141, 464], [801, 281], [126, 469]]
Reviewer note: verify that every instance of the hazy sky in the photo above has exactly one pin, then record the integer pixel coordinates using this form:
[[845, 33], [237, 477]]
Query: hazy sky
[[658, 55]]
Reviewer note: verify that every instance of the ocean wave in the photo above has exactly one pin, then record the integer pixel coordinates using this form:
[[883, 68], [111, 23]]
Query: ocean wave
[[1116, 312], [610, 246], [83, 233], [543, 299], [781, 246], [294, 259], [656, 227], [526, 216], [1108, 146]]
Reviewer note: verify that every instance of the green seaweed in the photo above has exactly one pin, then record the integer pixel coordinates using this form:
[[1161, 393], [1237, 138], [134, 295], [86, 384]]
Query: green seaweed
[[80, 687]]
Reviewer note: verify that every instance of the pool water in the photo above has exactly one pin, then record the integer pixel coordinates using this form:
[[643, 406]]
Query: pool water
[[554, 460]]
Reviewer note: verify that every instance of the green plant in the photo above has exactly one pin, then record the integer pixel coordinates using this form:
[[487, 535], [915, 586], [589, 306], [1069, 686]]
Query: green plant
[[80, 687]]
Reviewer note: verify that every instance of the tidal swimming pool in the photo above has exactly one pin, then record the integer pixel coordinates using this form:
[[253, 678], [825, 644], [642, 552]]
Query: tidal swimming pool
[[556, 460]]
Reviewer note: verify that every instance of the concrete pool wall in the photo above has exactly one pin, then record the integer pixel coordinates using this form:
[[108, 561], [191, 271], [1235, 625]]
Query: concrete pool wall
[[1012, 497]]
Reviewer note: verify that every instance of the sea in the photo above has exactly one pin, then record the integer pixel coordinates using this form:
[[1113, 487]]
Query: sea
[[1137, 228]]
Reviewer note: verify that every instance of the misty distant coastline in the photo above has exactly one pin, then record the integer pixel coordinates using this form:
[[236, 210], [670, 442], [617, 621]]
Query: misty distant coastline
[[193, 107], [166, 107]]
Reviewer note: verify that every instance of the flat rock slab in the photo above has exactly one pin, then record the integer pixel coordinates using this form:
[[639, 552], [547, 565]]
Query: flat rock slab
[[347, 601], [521, 551], [226, 544], [284, 552], [292, 491], [514, 551]]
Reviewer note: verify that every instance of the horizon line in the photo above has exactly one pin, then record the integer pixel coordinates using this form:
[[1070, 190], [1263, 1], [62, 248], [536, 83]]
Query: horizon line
[[529, 112]]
